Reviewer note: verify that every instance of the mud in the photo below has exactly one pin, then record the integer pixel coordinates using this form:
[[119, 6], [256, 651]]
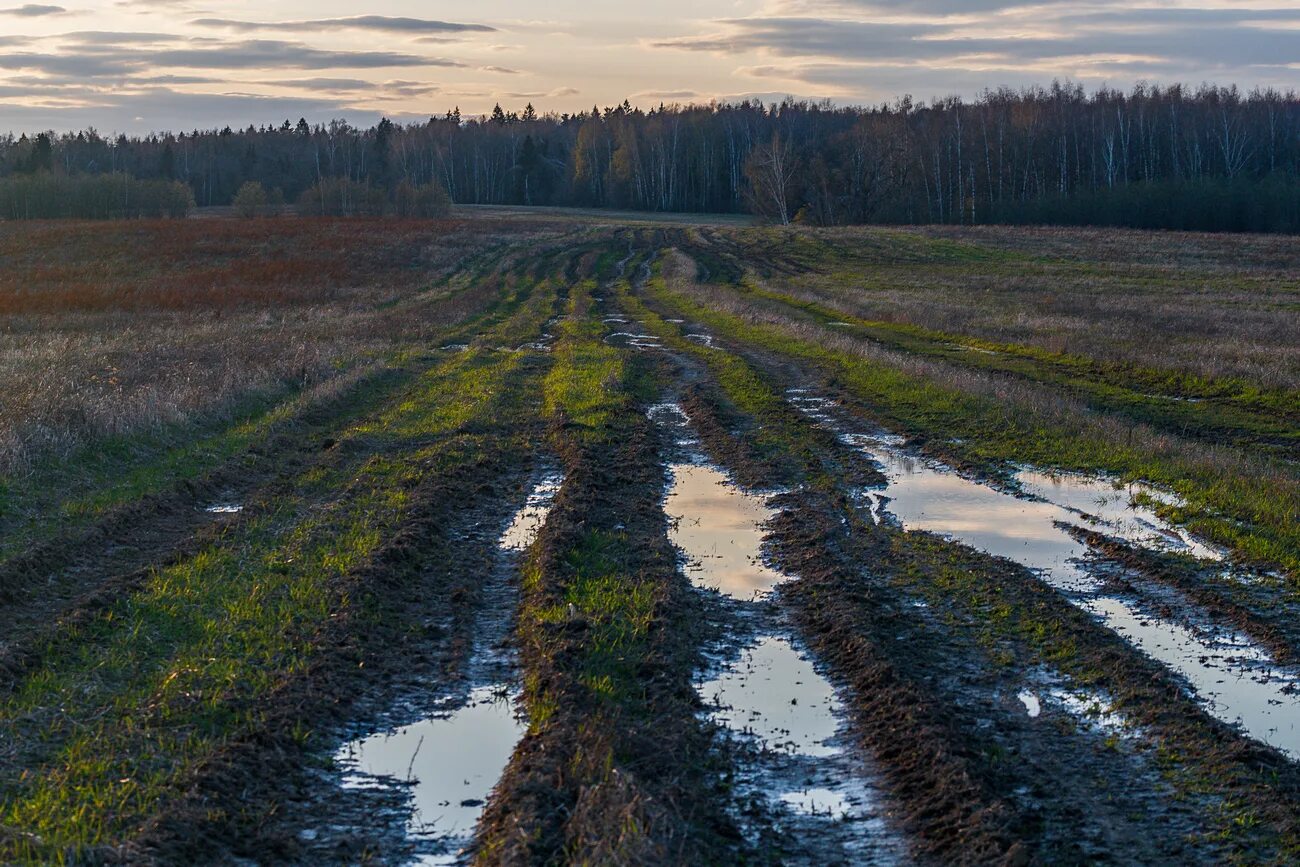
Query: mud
[[804, 792], [922, 690], [444, 766], [260, 798], [1236, 680], [647, 770]]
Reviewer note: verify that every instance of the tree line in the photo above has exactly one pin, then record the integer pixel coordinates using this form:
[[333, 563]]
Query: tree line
[[1159, 157]]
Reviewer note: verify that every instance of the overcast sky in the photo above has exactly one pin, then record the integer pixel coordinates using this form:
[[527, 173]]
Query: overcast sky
[[151, 65]]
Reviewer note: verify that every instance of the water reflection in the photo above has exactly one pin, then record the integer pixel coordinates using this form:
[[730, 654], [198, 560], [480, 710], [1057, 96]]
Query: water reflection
[[452, 761], [528, 521], [1100, 504], [773, 693], [719, 528], [930, 497], [1235, 679]]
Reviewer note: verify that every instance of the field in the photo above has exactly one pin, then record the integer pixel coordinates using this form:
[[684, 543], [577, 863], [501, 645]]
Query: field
[[545, 537]]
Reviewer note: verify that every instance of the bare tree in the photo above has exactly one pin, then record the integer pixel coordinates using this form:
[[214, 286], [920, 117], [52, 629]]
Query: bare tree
[[771, 170]]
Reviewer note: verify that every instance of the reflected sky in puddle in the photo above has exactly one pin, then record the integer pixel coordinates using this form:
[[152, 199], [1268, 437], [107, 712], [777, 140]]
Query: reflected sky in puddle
[[719, 529], [819, 802], [452, 762], [705, 339], [528, 521], [773, 693], [633, 339], [1115, 511], [453, 758], [1032, 706], [770, 696], [1235, 679], [224, 509]]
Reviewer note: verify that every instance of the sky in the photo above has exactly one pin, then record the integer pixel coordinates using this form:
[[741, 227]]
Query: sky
[[140, 66]]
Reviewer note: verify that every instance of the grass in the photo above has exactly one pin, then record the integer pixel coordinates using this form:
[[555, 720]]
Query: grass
[[1249, 507], [74, 454], [1017, 625], [124, 705], [585, 394], [312, 362], [158, 331], [1173, 400], [1216, 307]]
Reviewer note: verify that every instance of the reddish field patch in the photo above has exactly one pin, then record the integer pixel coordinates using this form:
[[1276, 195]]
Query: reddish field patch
[[182, 264]]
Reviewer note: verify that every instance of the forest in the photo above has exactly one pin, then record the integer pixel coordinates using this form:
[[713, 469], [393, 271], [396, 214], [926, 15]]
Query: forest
[[1208, 158]]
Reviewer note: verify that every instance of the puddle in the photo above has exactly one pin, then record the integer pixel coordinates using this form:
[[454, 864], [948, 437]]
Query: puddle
[[1101, 505], [773, 694], [632, 339], [786, 721], [719, 529], [528, 521], [224, 509], [1093, 710], [789, 725], [705, 339], [1032, 706], [450, 760], [1235, 679], [819, 802]]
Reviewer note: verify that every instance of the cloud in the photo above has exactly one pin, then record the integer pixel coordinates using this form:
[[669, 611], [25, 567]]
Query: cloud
[[331, 84], [539, 94], [115, 59], [117, 37], [270, 54], [666, 94], [994, 42], [501, 70], [33, 10], [360, 22]]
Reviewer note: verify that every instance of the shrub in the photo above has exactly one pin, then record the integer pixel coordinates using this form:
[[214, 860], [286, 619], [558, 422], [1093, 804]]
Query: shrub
[[341, 197], [251, 200], [425, 200]]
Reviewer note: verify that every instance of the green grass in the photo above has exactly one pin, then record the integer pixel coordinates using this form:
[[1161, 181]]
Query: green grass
[[1226, 407], [587, 393], [1013, 632], [617, 612], [1254, 514], [586, 383], [127, 703]]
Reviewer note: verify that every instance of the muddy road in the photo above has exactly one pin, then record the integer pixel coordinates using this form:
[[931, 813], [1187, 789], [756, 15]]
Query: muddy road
[[655, 550]]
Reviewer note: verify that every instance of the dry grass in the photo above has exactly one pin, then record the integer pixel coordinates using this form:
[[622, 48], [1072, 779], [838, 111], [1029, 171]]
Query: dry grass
[[113, 329], [1212, 305], [1053, 405]]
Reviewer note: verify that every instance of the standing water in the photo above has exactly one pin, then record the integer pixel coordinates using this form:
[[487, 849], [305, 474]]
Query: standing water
[[787, 722], [450, 761], [1235, 679]]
